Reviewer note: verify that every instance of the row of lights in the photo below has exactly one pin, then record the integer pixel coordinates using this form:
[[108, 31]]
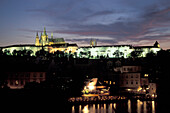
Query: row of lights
[[109, 82], [73, 99]]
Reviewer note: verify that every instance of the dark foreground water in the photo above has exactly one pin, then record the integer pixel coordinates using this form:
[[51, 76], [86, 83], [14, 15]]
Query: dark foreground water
[[130, 106]]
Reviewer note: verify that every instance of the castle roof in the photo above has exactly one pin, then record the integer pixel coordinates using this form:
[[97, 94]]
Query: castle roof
[[106, 46], [56, 39]]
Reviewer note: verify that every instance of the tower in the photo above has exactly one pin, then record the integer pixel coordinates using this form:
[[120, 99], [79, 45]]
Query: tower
[[37, 41], [156, 44], [51, 35], [93, 42], [44, 38]]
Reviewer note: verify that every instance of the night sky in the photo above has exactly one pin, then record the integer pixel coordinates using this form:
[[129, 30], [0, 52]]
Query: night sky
[[111, 22]]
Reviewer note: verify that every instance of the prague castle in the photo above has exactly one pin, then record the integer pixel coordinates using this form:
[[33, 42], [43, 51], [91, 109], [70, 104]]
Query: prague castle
[[44, 40], [92, 52]]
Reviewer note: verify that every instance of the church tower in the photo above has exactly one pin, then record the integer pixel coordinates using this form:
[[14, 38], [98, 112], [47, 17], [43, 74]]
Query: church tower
[[37, 41], [93, 42], [156, 44], [44, 38]]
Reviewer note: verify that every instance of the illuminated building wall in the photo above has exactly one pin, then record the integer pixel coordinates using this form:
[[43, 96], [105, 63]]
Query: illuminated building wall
[[66, 48], [93, 52], [96, 52], [115, 51], [10, 49]]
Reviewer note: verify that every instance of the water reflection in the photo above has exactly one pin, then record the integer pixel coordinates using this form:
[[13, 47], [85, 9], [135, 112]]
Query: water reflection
[[153, 106], [129, 106], [73, 111], [85, 109], [79, 108], [144, 107]]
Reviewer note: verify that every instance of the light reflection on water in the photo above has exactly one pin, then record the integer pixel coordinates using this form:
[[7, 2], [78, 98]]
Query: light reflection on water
[[117, 107]]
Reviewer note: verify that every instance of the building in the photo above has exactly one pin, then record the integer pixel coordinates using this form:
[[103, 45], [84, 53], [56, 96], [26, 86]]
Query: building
[[93, 42], [152, 90], [17, 80], [92, 52], [116, 51], [48, 44], [130, 78], [45, 40]]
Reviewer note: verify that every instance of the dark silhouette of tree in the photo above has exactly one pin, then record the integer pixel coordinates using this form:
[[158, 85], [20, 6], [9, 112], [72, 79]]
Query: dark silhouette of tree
[[118, 54], [14, 53], [89, 54], [135, 54], [75, 54], [41, 52], [150, 54], [6, 52], [1, 52], [29, 52]]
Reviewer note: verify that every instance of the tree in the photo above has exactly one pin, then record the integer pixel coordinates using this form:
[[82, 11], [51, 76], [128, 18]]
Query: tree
[[1, 52], [29, 52], [6, 52], [118, 54], [135, 54], [151, 54], [14, 53]]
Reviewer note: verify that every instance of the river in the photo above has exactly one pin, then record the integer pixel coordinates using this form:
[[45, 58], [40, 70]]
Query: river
[[129, 106]]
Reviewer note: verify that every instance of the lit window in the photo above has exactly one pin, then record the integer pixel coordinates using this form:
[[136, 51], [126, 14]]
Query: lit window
[[16, 82], [146, 75], [110, 82]]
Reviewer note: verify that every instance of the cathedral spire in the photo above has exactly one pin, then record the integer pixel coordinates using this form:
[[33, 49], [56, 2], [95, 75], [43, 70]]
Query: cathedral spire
[[44, 33], [37, 34], [52, 35]]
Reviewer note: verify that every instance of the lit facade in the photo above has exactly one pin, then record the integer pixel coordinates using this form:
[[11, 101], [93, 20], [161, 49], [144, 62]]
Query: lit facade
[[92, 52], [130, 77], [116, 51], [45, 40]]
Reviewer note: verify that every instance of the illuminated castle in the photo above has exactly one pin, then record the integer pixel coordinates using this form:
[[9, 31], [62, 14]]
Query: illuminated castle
[[92, 52], [44, 40]]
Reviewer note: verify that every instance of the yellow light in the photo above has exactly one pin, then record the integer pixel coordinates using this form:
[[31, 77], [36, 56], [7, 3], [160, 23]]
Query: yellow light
[[114, 83], [146, 75], [153, 95], [110, 82], [16, 82], [129, 89], [139, 88]]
